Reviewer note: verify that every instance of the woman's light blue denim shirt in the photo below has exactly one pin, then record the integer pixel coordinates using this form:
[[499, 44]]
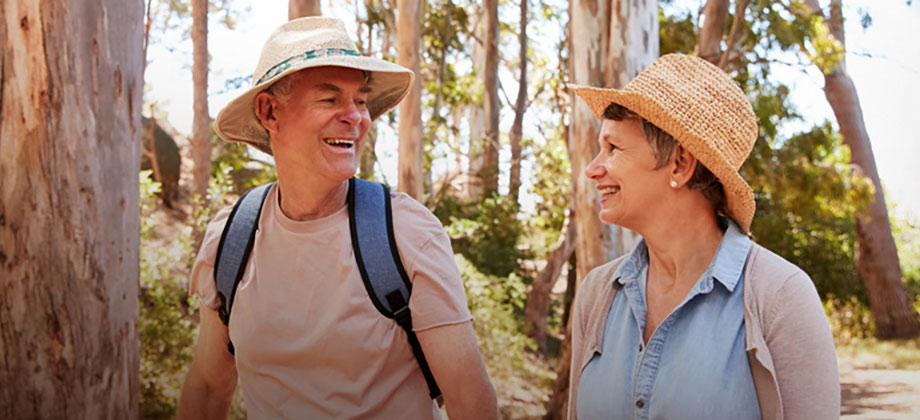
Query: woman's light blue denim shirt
[[694, 366]]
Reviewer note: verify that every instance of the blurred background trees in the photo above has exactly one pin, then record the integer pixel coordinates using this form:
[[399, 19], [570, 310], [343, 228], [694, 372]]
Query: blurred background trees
[[493, 143]]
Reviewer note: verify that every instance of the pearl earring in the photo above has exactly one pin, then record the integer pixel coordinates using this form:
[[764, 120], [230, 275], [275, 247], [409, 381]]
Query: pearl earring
[[673, 184]]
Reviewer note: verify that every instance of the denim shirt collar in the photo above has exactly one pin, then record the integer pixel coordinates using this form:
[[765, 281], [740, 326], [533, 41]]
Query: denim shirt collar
[[726, 267]]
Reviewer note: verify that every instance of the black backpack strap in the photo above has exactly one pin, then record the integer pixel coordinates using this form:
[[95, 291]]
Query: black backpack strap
[[371, 222], [234, 248]]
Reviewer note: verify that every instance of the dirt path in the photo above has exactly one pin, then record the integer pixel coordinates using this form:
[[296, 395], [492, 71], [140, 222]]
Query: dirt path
[[878, 393]]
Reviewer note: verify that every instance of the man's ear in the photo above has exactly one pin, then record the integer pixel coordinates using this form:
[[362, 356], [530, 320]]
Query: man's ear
[[265, 106], [683, 167]]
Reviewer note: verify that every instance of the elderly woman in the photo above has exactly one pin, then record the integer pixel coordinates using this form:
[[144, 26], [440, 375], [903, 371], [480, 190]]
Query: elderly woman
[[698, 321]]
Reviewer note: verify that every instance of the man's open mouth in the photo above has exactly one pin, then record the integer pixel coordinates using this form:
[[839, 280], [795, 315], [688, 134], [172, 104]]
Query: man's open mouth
[[346, 143]]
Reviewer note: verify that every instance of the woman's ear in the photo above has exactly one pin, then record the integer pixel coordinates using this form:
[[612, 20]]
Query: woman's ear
[[265, 107], [683, 168]]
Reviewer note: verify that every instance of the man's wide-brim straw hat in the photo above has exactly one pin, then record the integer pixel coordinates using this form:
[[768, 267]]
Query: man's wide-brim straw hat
[[300, 44], [703, 109]]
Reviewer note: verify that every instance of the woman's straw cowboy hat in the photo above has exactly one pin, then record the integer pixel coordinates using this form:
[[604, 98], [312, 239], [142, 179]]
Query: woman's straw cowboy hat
[[305, 43], [703, 109]]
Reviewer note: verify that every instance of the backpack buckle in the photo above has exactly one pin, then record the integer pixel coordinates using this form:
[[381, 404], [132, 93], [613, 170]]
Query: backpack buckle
[[403, 317]]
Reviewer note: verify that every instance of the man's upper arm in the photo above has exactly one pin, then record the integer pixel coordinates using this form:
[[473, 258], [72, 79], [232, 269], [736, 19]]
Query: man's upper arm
[[802, 347], [212, 377], [453, 356]]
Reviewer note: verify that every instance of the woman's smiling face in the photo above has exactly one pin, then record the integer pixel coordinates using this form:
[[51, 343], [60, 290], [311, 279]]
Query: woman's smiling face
[[625, 171]]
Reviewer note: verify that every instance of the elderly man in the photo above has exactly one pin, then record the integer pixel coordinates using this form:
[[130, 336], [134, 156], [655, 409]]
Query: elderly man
[[306, 339]]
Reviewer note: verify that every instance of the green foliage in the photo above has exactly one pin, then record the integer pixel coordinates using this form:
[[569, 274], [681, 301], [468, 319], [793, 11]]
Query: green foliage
[[677, 33], [485, 232], [495, 303], [807, 198], [164, 326], [237, 161], [850, 319], [552, 183], [906, 232]]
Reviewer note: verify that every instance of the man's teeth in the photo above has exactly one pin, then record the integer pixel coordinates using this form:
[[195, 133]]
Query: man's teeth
[[339, 142], [609, 190]]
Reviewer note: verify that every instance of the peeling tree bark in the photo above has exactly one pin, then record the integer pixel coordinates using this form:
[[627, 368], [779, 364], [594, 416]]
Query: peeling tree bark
[[70, 89], [490, 144], [201, 124], [609, 46], [409, 45]]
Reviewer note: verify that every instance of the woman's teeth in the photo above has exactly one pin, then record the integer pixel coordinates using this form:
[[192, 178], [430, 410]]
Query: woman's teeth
[[609, 191], [339, 142]]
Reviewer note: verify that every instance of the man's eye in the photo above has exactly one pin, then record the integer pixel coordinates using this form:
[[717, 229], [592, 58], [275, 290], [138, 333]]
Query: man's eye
[[328, 100]]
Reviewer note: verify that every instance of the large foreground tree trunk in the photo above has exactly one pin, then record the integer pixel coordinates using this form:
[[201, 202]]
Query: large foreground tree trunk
[[409, 45], [609, 46], [70, 90], [490, 145], [303, 8], [589, 29], [876, 255], [201, 124]]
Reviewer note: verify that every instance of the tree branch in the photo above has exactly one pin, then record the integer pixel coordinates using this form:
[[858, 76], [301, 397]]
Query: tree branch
[[733, 35]]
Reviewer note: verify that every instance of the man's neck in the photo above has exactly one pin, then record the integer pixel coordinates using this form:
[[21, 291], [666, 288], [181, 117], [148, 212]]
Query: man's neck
[[310, 201]]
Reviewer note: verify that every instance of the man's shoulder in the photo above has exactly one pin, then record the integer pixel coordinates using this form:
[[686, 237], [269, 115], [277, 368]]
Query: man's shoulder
[[213, 233], [409, 213]]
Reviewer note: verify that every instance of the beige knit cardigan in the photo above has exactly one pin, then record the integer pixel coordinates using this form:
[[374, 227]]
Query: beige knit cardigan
[[788, 339]]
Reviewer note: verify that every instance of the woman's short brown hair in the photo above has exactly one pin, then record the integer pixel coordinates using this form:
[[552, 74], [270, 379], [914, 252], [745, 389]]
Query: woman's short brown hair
[[663, 146]]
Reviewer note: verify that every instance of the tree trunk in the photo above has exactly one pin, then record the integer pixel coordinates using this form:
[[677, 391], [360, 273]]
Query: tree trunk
[[70, 98], [633, 46], [302, 8], [627, 34], [589, 28], [409, 44], [537, 307], [201, 124], [709, 40], [369, 156], [477, 120], [490, 145], [520, 106], [876, 255]]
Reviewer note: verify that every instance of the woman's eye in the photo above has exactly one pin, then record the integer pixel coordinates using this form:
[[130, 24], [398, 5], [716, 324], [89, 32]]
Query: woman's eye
[[610, 147]]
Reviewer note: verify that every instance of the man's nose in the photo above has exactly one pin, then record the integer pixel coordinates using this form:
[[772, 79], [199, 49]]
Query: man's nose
[[351, 114]]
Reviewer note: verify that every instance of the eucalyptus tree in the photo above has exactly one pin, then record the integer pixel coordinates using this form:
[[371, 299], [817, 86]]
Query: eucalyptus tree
[[70, 97]]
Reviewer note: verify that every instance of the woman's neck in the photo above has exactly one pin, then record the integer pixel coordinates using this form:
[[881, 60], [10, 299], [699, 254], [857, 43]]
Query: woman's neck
[[682, 249]]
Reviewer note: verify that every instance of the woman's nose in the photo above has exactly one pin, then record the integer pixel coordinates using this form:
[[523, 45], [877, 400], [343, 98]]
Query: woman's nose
[[594, 169]]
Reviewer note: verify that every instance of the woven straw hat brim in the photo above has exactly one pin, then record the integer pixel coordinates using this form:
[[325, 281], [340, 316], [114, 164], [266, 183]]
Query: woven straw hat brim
[[389, 84], [739, 196]]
